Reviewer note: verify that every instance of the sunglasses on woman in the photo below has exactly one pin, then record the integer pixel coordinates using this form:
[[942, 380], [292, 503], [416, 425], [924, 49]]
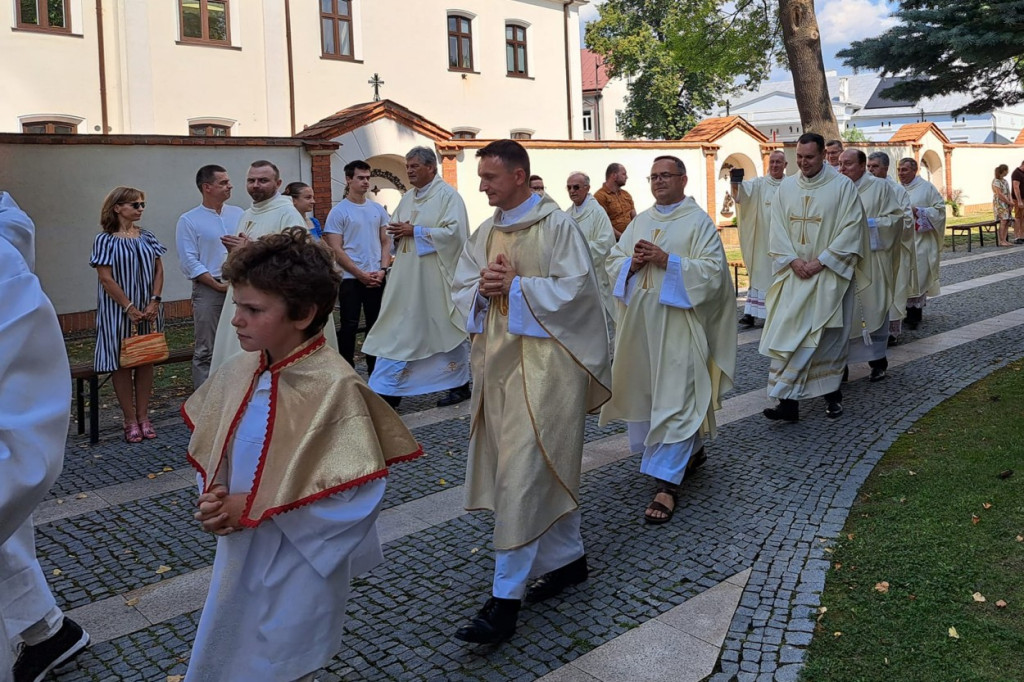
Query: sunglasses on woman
[[134, 204]]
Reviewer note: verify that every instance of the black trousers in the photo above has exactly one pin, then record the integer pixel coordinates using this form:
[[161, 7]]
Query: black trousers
[[355, 297]]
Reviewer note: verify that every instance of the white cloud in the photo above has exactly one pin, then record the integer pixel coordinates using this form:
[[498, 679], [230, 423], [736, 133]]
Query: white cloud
[[590, 12], [843, 21]]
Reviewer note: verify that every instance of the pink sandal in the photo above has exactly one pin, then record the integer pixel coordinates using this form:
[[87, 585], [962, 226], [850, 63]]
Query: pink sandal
[[132, 433], [147, 429]]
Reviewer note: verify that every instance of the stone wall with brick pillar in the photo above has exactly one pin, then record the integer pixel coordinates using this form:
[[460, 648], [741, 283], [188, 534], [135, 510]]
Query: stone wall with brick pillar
[[320, 167], [84, 168]]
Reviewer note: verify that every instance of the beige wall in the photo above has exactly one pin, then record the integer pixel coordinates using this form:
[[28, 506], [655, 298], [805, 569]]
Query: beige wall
[[62, 188], [974, 169], [156, 85]]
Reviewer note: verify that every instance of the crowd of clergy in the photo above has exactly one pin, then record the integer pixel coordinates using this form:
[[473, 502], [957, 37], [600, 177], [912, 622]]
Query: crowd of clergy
[[532, 305]]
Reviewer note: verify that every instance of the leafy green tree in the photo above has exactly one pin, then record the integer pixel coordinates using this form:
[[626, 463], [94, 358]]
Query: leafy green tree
[[942, 47], [682, 57], [854, 135]]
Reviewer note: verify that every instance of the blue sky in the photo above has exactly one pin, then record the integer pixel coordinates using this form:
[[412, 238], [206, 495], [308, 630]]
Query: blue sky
[[840, 22]]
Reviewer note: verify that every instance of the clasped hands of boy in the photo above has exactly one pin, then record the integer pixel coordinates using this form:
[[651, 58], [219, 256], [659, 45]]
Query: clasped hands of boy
[[220, 512]]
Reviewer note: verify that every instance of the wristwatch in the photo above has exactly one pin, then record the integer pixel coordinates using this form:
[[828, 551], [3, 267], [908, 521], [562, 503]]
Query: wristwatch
[[156, 298]]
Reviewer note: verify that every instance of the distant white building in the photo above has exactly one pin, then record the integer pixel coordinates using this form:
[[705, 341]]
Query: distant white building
[[230, 68], [604, 99], [858, 103]]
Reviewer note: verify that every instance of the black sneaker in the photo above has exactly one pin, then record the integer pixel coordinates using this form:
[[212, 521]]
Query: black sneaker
[[877, 374], [35, 661], [455, 396], [833, 410], [893, 340]]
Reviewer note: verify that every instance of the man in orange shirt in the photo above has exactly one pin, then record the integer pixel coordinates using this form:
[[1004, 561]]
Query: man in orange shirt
[[615, 201]]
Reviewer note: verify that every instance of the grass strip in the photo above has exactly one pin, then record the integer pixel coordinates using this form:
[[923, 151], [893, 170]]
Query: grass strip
[[938, 526]]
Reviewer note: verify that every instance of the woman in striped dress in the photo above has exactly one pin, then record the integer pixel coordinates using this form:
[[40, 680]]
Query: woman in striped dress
[[131, 277]]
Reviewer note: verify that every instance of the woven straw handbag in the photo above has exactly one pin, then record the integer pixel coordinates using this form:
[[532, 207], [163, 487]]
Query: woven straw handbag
[[142, 349]]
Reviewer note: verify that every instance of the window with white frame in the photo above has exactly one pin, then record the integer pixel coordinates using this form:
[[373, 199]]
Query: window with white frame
[[588, 121]]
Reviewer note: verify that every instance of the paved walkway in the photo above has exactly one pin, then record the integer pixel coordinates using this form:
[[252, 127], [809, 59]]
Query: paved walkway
[[728, 590]]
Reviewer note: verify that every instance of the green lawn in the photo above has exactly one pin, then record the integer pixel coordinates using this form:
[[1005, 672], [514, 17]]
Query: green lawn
[[937, 522]]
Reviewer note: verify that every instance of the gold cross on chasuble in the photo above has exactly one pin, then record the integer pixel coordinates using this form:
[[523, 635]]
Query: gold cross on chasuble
[[804, 219]]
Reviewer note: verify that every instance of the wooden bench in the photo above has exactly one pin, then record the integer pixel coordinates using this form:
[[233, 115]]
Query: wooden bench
[[967, 227], [736, 265], [83, 372]]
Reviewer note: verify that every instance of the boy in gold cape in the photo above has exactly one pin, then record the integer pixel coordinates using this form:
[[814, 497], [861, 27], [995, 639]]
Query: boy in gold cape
[[292, 449]]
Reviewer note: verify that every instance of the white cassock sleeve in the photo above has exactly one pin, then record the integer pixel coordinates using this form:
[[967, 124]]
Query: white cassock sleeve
[[424, 242], [520, 320], [337, 528], [673, 289], [624, 284], [35, 392]]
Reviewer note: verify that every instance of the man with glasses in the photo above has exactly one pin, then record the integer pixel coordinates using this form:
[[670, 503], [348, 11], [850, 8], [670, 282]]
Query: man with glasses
[[675, 346], [929, 211], [819, 246], [615, 201], [904, 260], [201, 254], [537, 184], [597, 230]]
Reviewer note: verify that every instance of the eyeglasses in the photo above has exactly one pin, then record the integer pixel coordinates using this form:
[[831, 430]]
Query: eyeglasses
[[134, 204], [663, 176], [574, 188]]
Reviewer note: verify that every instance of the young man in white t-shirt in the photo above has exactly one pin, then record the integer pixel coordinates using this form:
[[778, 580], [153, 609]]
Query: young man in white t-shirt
[[355, 231]]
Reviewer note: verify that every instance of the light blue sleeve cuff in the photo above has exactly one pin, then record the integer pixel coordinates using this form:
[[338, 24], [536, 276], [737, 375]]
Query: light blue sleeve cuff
[[424, 244], [477, 313], [673, 289], [873, 236], [520, 320], [624, 286]]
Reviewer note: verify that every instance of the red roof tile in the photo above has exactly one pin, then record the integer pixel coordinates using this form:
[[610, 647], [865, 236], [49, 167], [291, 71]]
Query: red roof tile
[[595, 75], [358, 115], [710, 129]]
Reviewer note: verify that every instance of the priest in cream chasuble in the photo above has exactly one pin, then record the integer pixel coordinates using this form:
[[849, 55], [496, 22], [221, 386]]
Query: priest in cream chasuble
[[417, 340], [929, 211], [526, 289], [819, 240], [675, 349], [885, 218], [754, 199]]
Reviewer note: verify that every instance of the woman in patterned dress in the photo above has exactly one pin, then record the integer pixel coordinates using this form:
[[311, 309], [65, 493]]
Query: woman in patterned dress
[[131, 277], [1001, 204]]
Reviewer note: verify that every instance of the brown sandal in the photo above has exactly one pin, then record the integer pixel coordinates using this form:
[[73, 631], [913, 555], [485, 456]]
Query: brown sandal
[[669, 489]]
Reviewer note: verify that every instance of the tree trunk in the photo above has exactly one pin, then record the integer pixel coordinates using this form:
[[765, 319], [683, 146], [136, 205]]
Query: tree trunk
[[803, 47]]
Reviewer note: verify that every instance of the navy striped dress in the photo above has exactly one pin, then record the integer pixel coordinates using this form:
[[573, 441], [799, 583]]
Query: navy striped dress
[[133, 264]]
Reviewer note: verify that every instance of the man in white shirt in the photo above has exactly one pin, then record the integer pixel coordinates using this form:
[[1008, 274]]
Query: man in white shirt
[[356, 232], [201, 253]]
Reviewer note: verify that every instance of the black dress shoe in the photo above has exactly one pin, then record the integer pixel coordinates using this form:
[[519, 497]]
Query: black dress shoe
[[455, 396], [747, 320], [877, 374], [696, 461], [892, 341], [833, 410], [495, 622], [786, 410], [553, 582]]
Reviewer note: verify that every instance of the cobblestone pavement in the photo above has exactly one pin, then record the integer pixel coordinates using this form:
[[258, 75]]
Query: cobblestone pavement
[[770, 498]]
